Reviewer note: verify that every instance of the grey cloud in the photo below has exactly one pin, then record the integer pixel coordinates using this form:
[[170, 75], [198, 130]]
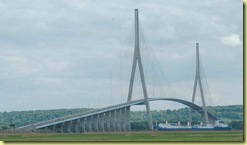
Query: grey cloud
[[70, 48]]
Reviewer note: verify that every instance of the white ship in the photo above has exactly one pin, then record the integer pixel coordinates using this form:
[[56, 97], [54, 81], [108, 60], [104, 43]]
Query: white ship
[[218, 125]]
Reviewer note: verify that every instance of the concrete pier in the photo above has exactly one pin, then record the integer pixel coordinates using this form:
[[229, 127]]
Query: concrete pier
[[111, 121]]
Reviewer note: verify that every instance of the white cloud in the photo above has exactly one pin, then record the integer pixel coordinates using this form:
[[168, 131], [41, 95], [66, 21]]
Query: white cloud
[[231, 40]]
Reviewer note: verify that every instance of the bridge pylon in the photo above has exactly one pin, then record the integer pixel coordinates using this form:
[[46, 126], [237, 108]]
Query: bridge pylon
[[198, 80], [137, 59]]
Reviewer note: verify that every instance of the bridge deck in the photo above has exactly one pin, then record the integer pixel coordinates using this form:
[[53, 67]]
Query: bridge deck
[[59, 120], [79, 115]]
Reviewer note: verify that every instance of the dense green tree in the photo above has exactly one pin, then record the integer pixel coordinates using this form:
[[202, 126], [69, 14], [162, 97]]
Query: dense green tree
[[232, 114], [236, 124]]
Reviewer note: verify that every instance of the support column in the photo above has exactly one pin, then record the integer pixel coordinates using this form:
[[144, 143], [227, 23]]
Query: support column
[[113, 120], [128, 127], [86, 124], [101, 122], [59, 128], [123, 120], [95, 123], [90, 123], [83, 121], [79, 122], [77, 125], [54, 128], [73, 126], [66, 124], [62, 127], [69, 129], [46, 130], [108, 121], [118, 121]]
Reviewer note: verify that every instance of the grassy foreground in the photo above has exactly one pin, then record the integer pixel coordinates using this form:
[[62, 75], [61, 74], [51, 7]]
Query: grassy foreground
[[130, 136]]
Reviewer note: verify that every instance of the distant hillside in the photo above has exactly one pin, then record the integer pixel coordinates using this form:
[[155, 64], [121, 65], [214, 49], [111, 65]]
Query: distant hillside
[[19, 118], [225, 113]]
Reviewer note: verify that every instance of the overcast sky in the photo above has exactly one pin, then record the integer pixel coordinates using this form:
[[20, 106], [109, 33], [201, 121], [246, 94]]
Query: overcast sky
[[67, 53]]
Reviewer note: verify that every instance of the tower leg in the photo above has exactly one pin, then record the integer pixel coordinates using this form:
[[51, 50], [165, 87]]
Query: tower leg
[[198, 78]]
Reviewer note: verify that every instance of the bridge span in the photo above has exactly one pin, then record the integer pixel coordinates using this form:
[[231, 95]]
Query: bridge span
[[114, 118]]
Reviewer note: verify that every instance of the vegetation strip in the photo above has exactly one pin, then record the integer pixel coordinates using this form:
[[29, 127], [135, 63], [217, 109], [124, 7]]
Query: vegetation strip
[[232, 114], [131, 136]]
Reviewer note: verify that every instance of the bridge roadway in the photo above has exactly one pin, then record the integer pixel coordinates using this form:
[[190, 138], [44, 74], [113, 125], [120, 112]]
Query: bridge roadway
[[114, 118]]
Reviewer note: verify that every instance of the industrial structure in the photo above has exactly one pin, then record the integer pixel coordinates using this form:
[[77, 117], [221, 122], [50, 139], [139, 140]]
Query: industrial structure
[[116, 118]]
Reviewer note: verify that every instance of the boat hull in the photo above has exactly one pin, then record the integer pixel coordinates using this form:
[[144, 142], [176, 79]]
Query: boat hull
[[193, 128]]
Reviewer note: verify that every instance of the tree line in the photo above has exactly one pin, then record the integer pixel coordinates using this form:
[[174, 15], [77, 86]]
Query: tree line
[[232, 114]]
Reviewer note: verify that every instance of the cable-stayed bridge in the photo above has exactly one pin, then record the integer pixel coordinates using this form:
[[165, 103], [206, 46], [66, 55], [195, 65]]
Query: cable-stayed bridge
[[108, 119], [116, 118]]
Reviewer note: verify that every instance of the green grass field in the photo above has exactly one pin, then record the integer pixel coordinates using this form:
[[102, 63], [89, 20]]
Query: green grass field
[[182, 136]]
